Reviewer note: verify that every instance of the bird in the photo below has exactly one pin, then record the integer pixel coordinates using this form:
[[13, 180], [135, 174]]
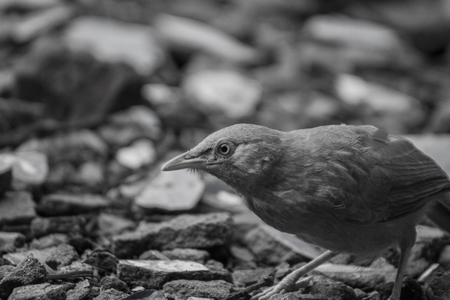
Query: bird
[[352, 189]]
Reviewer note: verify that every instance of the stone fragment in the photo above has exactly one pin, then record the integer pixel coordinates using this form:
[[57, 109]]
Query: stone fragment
[[9, 241], [29, 168], [111, 294], [223, 93], [200, 256], [66, 224], [184, 231], [16, 208], [154, 273], [50, 240], [153, 255], [140, 153], [194, 35], [45, 291], [132, 44], [326, 287], [274, 247], [28, 271], [248, 277], [439, 286], [112, 282], [71, 204], [172, 191], [103, 260], [109, 224], [81, 291], [216, 289], [54, 257]]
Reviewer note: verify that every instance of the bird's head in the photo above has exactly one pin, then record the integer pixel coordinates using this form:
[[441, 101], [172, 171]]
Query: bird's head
[[242, 155]]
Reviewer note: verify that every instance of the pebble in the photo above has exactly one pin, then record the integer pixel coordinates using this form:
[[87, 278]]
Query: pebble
[[184, 231], [17, 208]]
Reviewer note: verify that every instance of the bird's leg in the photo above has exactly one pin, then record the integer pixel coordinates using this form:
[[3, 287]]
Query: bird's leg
[[289, 281], [405, 251]]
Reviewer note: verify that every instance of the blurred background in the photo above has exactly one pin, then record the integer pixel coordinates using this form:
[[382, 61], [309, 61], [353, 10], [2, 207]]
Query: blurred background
[[96, 94]]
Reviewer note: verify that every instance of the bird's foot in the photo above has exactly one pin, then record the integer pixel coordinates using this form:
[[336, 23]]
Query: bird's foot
[[284, 286]]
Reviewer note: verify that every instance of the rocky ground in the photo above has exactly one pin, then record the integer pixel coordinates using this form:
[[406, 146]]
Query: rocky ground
[[96, 95]]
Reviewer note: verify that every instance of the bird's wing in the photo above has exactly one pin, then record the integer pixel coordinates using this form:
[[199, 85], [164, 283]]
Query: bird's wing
[[381, 177]]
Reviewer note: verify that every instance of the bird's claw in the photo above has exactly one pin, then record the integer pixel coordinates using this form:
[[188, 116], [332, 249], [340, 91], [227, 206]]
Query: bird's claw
[[282, 287]]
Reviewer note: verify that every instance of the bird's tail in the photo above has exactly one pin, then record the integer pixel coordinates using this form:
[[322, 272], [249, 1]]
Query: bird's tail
[[439, 212]]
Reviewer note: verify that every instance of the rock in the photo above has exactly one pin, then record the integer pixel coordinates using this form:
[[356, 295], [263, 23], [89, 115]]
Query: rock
[[439, 286], [38, 79], [153, 255], [71, 204], [189, 34], [172, 191], [54, 257], [45, 291], [67, 224], [245, 278], [81, 291], [136, 122], [355, 276], [147, 295], [5, 270], [444, 258], [154, 273], [29, 168], [200, 256], [111, 294], [91, 173], [274, 247], [184, 231], [389, 109], [109, 224], [9, 241], [138, 154], [424, 24], [325, 287], [28, 271], [103, 261], [16, 208], [341, 43], [223, 93], [181, 289], [132, 44], [112, 282], [218, 272], [78, 141]]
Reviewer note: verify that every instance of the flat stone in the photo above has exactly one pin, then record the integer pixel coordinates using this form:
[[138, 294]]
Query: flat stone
[[216, 289], [132, 44], [112, 281], [103, 261], [28, 271], [223, 92], [16, 208], [54, 257], [71, 204], [274, 247], [111, 294], [65, 224], [248, 277], [172, 191], [200, 256], [184, 231], [50, 240], [154, 273], [140, 153], [9, 241], [41, 291], [81, 291]]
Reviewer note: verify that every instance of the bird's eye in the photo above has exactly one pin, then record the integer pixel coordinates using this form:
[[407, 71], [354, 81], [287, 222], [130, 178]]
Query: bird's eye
[[224, 149]]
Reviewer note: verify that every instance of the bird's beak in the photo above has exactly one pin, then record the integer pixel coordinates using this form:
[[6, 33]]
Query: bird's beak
[[181, 162]]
